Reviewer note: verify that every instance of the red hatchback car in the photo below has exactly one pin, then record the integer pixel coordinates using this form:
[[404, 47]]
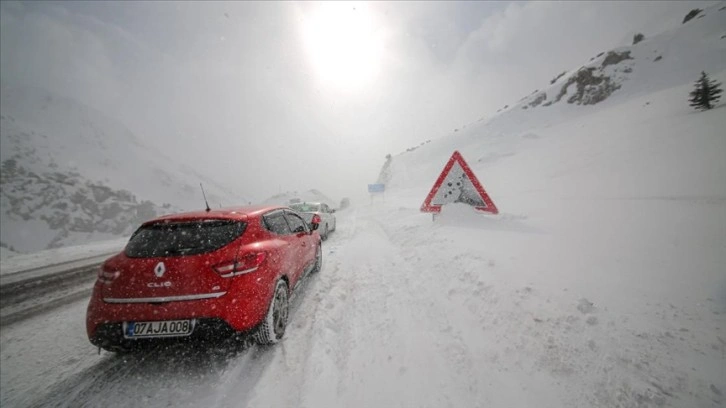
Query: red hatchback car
[[202, 274]]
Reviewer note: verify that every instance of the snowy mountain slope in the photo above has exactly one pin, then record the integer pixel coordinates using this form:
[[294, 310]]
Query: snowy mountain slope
[[671, 58], [699, 45], [72, 175]]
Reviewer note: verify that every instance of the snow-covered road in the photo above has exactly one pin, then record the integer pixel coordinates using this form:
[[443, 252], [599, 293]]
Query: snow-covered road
[[411, 313]]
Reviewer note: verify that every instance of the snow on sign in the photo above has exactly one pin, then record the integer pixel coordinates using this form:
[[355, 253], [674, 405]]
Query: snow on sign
[[458, 184]]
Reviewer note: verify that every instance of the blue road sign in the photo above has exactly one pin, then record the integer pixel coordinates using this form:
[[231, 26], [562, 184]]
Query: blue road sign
[[376, 188]]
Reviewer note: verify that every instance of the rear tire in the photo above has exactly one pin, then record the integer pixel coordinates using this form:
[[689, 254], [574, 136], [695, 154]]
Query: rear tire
[[325, 233], [318, 259], [273, 326]]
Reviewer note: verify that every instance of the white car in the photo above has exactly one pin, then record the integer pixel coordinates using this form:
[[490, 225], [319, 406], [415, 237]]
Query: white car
[[308, 209]]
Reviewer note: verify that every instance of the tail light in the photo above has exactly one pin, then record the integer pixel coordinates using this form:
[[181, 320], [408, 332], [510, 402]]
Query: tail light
[[315, 222], [107, 276], [245, 264]]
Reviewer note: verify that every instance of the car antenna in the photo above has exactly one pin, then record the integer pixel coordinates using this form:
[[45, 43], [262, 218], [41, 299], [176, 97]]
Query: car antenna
[[205, 198]]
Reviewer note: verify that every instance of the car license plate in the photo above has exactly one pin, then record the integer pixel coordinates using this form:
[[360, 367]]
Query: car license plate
[[166, 328]]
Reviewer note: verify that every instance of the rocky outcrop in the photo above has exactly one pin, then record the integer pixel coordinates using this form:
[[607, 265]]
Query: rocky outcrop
[[385, 175], [538, 100], [691, 15], [590, 87], [69, 204], [614, 58]]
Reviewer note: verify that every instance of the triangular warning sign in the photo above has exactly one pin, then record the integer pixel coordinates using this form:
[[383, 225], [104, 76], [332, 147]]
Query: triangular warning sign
[[458, 184]]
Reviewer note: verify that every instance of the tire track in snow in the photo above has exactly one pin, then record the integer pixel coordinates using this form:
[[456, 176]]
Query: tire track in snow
[[436, 313], [378, 331], [330, 337], [293, 359]]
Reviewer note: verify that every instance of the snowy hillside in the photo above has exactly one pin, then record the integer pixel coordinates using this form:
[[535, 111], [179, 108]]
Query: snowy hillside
[[72, 175], [667, 59], [602, 283], [698, 45]]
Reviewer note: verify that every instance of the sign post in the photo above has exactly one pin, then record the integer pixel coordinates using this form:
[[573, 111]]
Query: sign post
[[458, 184]]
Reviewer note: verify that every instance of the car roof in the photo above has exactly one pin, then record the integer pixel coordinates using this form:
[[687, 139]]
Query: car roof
[[228, 213]]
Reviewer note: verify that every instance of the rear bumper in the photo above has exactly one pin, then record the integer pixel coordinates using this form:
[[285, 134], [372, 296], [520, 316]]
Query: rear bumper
[[110, 335], [241, 309]]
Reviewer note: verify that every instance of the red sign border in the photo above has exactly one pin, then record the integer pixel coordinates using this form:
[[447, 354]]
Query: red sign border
[[456, 157]]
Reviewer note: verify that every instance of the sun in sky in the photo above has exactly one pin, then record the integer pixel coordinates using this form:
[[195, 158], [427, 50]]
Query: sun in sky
[[343, 44]]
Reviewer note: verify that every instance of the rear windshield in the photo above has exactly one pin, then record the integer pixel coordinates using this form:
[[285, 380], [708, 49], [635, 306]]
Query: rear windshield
[[183, 238], [305, 207]]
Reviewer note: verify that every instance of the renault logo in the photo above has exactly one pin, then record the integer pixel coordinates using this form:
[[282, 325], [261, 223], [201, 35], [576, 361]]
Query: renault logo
[[159, 269]]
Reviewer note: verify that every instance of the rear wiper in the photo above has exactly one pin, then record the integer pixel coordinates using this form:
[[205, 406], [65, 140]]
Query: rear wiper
[[179, 251]]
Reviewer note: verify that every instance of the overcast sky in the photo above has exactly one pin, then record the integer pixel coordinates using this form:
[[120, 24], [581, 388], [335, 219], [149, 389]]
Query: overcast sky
[[291, 96]]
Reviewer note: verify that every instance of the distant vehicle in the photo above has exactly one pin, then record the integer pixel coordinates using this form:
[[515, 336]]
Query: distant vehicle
[[344, 203], [203, 274], [327, 219]]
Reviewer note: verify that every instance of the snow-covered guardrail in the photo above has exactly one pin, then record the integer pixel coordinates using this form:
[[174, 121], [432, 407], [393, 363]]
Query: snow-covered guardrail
[[29, 292]]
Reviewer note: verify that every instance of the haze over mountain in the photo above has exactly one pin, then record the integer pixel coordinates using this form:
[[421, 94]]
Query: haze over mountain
[[71, 174]]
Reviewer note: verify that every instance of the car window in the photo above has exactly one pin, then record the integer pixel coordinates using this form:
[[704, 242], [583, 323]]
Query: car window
[[182, 238], [296, 223], [275, 222], [307, 217], [305, 207]]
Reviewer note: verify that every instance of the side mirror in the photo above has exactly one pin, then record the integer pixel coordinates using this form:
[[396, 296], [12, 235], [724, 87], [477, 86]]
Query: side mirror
[[315, 222], [332, 210]]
